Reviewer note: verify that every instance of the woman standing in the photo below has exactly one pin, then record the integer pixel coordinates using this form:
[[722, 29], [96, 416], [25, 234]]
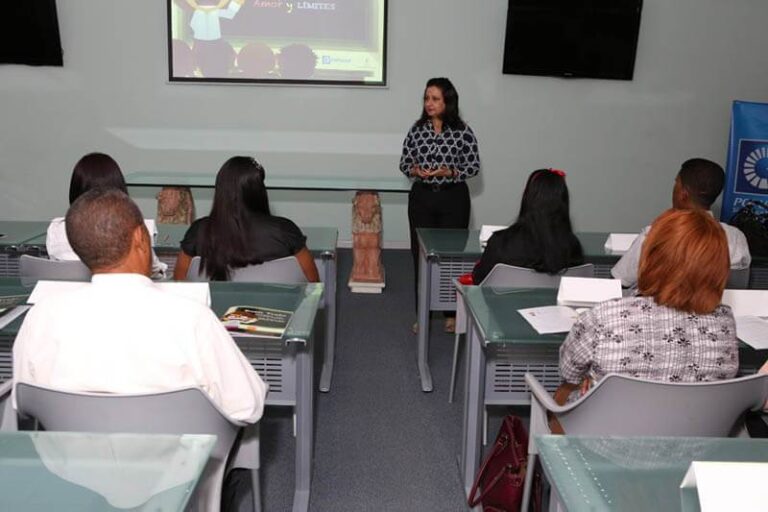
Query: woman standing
[[440, 152]]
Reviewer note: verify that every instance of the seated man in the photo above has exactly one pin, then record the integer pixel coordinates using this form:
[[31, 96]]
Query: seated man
[[122, 333], [697, 185]]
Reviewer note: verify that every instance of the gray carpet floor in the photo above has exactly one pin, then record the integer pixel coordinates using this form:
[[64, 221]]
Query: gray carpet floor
[[380, 442]]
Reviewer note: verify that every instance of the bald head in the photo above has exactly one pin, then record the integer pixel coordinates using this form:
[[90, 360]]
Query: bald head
[[106, 230]]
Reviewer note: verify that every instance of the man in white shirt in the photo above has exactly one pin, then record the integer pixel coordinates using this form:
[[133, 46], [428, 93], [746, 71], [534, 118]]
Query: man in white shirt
[[697, 185], [121, 333]]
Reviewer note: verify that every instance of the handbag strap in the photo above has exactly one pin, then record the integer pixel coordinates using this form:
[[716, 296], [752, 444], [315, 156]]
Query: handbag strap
[[488, 488], [498, 447]]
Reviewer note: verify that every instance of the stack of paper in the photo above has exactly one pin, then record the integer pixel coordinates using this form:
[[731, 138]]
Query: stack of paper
[[618, 243], [587, 291], [550, 319], [753, 331], [199, 292], [726, 486], [486, 231], [747, 302]]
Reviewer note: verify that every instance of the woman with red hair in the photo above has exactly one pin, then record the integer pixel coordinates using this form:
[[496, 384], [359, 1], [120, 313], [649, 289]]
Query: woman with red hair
[[676, 329]]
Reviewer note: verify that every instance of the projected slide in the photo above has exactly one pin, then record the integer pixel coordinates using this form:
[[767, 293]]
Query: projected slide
[[281, 41]]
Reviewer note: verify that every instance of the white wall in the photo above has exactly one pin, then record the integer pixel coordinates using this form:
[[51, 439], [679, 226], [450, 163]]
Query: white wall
[[621, 142]]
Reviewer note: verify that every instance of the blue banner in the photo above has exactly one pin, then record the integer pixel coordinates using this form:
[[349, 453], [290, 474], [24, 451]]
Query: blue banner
[[746, 176]]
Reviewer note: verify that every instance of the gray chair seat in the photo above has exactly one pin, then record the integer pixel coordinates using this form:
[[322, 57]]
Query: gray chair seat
[[33, 269], [620, 405], [183, 411]]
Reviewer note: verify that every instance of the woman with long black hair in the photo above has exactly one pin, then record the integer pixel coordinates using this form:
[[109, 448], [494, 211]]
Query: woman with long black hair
[[240, 229], [542, 237], [94, 170], [440, 153]]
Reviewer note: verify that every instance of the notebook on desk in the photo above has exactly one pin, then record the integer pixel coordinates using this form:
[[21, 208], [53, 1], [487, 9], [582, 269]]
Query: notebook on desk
[[619, 243], [585, 292], [486, 230]]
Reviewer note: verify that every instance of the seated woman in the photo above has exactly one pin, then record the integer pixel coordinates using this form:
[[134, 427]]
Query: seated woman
[[240, 230], [676, 330], [542, 238], [94, 170]]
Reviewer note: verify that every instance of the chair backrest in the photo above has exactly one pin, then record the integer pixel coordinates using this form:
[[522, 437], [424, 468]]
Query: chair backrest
[[183, 411], [620, 405], [738, 279], [194, 271], [502, 275], [284, 270], [33, 269]]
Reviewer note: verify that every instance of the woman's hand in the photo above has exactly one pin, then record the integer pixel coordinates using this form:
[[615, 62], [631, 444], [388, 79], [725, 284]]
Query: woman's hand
[[419, 172], [442, 172]]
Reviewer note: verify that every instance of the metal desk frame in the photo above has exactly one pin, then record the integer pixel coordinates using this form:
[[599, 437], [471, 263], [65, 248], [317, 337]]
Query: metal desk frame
[[437, 293]]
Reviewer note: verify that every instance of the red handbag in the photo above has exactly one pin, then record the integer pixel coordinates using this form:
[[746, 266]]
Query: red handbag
[[502, 475]]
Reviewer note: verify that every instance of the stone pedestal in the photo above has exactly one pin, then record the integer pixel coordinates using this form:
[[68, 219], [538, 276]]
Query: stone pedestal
[[367, 271], [175, 205]]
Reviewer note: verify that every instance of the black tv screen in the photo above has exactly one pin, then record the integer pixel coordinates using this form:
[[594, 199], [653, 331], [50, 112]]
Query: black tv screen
[[572, 38], [30, 34]]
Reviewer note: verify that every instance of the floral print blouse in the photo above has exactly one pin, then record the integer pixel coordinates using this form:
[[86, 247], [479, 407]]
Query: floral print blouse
[[635, 336]]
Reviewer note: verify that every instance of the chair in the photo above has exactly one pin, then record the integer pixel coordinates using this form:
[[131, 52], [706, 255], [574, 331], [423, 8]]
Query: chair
[[502, 275], [620, 405], [194, 271], [738, 279], [183, 411], [8, 419], [282, 270], [33, 269]]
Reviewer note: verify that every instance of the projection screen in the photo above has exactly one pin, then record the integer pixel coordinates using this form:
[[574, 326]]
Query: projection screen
[[340, 42]]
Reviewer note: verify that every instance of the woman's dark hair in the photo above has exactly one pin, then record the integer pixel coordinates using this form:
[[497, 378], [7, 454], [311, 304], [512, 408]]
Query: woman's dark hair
[[95, 170], [545, 217], [240, 196], [450, 117]]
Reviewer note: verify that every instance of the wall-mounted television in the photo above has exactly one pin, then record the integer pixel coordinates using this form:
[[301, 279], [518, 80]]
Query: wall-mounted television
[[30, 34], [572, 38]]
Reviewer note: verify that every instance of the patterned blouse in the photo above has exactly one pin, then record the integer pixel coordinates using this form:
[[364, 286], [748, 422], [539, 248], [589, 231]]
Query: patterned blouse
[[454, 149], [637, 337]]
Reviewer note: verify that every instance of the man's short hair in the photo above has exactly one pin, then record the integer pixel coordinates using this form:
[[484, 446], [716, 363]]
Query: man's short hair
[[100, 226], [703, 180]]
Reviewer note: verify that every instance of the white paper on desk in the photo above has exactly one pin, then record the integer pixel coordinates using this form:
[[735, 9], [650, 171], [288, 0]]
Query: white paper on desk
[[619, 242], [550, 319], [12, 315], [747, 302], [587, 291], [199, 292], [728, 485], [486, 231], [753, 331]]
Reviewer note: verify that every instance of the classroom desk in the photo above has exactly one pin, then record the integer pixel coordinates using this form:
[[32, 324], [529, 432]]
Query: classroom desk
[[68, 471], [501, 347], [634, 473], [445, 254], [321, 242], [13, 236], [285, 364]]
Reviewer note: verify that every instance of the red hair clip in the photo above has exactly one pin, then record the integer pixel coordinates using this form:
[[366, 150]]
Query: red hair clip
[[558, 172]]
